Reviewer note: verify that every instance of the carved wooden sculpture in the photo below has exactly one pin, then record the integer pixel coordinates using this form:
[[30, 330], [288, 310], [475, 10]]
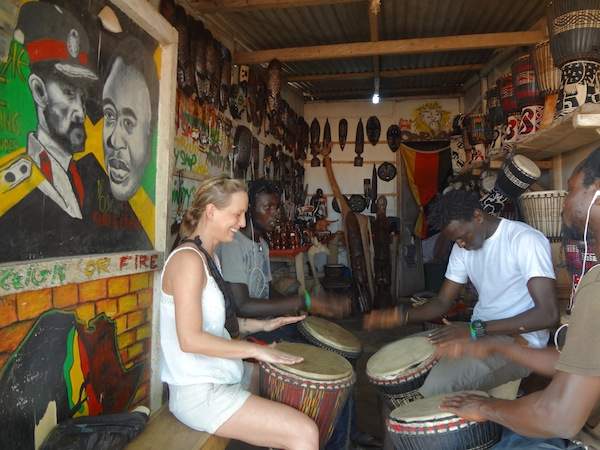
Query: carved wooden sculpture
[[359, 144], [382, 261], [356, 229], [342, 133]]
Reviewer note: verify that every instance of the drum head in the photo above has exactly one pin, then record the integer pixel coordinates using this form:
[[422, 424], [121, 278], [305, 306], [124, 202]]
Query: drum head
[[318, 364], [399, 356], [426, 409], [331, 334], [527, 166]]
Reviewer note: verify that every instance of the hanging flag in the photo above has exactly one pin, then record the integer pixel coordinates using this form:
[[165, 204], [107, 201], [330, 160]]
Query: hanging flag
[[427, 169]]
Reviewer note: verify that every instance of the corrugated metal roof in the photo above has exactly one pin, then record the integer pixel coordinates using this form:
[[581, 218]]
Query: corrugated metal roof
[[260, 29]]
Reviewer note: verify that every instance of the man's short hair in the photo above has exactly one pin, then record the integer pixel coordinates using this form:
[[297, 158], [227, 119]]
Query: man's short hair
[[454, 205], [134, 54], [261, 187], [590, 167]]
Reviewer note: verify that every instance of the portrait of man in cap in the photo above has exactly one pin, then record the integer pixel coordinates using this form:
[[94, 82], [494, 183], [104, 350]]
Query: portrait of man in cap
[[61, 75]]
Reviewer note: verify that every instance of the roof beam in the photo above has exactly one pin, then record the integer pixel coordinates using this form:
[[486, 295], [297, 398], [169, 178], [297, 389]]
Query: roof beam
[[374, 9], [392, 47], [398, 73], [386, 93], [225, 6]]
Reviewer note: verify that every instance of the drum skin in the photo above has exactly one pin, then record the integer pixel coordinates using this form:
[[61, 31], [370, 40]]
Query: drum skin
[[330, 336]]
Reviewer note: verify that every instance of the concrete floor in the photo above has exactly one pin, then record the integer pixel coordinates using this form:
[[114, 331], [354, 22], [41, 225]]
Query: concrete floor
[[367, 400]]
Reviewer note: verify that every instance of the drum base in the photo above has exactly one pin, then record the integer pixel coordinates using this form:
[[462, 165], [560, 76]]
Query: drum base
[[475, 436]]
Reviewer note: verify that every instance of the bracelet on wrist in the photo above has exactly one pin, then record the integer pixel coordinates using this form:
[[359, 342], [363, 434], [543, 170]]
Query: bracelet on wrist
[[307, 300]]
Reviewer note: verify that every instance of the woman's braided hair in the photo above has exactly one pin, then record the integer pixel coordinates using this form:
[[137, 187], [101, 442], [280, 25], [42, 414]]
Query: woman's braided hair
[[218, 191]]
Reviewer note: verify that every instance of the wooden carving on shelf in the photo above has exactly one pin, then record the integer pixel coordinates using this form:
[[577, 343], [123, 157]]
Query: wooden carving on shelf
[[358, 242], [342, 133], [359, 144]]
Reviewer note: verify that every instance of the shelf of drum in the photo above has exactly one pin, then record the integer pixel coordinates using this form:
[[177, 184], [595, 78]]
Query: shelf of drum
[[566, 133]]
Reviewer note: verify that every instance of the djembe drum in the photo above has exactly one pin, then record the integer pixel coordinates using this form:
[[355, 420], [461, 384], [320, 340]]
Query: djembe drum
[[542, 210], [527, 95], [518, 173], [574, 27], [422, 426], [574, 254], [318, 386], [399, 369], [548, 79], [330, 336]]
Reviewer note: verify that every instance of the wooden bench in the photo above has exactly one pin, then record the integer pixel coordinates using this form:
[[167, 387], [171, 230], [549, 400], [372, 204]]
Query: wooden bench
[[165, 432]]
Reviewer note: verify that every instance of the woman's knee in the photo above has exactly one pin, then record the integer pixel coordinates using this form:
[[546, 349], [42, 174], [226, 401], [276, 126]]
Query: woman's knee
[[306, 432]]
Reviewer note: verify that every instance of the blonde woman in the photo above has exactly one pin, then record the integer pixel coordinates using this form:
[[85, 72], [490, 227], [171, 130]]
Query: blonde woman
[[208, 382]]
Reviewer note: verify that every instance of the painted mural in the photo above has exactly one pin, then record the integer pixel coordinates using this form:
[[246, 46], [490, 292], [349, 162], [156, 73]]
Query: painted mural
[[427, 121], [64, 369], [78, 126]]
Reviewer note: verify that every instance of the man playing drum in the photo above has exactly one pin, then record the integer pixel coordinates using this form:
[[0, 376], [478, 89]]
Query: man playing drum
[[569, 405], [510, 265]]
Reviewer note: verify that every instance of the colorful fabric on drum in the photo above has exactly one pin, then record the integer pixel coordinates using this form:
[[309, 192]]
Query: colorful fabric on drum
[[459, 156], [427, 169], [531, 119], [512, 127], [579, 84]]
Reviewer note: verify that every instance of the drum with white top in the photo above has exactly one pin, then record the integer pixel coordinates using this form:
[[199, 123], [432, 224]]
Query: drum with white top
[[423, 426], [330, 336], [399, 369]]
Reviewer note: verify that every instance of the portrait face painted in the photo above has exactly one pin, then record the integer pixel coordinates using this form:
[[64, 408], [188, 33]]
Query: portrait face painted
[[469, 235], [432, 117], [264, 211], [64, 114], [127, 128]]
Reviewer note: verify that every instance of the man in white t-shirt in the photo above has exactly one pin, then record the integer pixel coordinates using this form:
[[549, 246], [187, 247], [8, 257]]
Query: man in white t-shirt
[[510, 265]]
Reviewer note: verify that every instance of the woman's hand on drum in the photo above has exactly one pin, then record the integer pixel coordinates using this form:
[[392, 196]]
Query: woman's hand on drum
[[274, 356], [452, 331], [330, 305], [460, 348], [467, 406], [278, 322]]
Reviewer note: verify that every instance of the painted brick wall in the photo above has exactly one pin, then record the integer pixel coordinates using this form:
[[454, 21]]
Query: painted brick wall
[[125, 299]]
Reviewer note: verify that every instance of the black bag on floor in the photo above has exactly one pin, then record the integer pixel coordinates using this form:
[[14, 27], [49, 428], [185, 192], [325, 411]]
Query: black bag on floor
[[105, 432]]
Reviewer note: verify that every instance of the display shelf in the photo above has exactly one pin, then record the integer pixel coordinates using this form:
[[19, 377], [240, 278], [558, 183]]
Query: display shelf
[[576, 130]]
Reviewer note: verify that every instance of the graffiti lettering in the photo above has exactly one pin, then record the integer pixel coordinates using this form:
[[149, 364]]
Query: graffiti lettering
[[182, 195], [187, 160], [138, 262], [31, 277], [216, 160], [8, 144], [97, 266]]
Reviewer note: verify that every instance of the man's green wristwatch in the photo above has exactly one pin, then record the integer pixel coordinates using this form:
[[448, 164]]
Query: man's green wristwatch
[[477, 329]]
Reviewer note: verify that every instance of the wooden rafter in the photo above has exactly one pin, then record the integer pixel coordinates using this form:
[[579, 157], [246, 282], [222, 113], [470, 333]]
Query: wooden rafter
[[406, 92], [398, 73], [374, 9], [224, 6], [392, 47]]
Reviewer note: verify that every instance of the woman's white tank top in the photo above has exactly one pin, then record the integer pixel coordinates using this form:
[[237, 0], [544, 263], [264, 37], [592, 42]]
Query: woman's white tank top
[[181, 368]]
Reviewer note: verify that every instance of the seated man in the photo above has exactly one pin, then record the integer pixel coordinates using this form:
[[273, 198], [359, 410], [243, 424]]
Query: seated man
[[245, 266], [510, 265], [568, 406]]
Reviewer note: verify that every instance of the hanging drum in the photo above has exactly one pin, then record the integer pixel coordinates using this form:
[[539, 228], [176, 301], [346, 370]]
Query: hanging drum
[[373, 130], [315, 134], [273, 88], [527, 95], [393, 137], [326, 148], [359, 144], [225, 77], [386, 171], [242, 143], [578, 85], [342, 133], [548, 79], [184, 66], [574, 27]]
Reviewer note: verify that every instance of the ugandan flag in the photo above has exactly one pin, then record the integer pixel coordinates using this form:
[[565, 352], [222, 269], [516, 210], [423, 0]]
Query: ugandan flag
[[428, 165]]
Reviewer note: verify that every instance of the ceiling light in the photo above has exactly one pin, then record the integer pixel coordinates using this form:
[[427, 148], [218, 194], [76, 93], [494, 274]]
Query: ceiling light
[[375, 98]]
